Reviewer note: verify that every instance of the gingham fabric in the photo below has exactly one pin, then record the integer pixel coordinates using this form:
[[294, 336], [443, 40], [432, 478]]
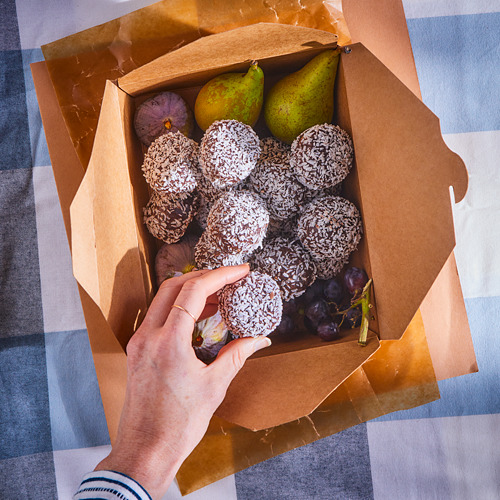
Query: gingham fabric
[[52, 425]]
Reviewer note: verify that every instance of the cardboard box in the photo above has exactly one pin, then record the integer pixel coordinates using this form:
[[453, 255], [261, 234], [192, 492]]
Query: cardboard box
[[400, 183]]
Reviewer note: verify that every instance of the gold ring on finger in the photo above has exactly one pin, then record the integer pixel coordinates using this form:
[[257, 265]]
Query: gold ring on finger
[[185, 310]]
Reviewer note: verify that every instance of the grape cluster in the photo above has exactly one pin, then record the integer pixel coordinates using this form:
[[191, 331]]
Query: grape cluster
[[325, 306]]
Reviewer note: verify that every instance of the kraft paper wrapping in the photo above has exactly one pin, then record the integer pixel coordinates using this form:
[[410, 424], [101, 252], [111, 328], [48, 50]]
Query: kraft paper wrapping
[[80, 64], [398, 376]]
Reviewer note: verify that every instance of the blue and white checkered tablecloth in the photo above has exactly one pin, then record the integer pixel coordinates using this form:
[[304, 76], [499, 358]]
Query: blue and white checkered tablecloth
[[52, 425]]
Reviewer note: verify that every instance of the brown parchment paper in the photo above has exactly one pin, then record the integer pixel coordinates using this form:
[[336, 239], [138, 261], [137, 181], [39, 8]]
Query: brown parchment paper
[[398, 376], [80, 64]]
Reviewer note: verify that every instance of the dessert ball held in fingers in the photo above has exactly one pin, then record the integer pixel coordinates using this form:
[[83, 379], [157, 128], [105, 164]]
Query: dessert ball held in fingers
[[252, 306]]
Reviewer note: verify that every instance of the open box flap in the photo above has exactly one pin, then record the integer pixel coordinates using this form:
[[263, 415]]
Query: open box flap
[[304, 379], [209, 56], [109, 260], [404, 168]]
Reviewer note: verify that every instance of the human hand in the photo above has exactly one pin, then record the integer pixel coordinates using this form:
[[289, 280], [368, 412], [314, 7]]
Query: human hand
[[171, 395]]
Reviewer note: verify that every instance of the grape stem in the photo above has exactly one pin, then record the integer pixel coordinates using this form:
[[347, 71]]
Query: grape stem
[[362, 300]]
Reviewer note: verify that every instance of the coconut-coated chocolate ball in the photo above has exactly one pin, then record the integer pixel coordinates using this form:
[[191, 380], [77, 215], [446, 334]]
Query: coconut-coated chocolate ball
[[252, 306], [274, 180], [286, 228], [229, 151], [238, 221], [208, 254], [168, 164], [168, 218], [288, 263], [328, 267], [330, 228], [321, 156]]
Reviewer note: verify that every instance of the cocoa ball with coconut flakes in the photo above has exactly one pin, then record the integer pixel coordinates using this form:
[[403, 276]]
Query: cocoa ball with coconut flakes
[[208, 254], [168, 218], [274, 180], [330, 228], [169, 162], [286, 228], [229, 151], [322, 156], [238, 222], [288, 263], [252, 306], [329, 267]]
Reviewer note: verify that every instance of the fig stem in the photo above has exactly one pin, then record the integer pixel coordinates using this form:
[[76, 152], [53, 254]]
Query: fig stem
[[188, 268], [168, 124]]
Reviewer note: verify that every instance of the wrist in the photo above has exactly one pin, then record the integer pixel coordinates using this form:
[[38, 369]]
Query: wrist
[[153, 471]]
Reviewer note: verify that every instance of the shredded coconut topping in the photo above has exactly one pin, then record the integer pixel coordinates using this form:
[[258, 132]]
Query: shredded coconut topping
[[168, 164], [229, 151], [273, 151], [251, 306], [312, 194], [274, 180], [168, 218], [329, 268], [330, 228], [238, 221], [321, 156], [284, 228], [288, 263], [208, 254], [203, 211]]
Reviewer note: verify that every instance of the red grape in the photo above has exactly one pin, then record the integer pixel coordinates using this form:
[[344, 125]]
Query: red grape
[[314, 291], [333, 291], [328, 330], [355, 279], [309, 325], [353, 317], [290, 307], [286, 325], [317, 311]]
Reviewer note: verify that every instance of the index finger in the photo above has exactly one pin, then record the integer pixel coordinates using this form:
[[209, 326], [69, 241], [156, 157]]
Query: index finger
[[160, 306], [194, 294]]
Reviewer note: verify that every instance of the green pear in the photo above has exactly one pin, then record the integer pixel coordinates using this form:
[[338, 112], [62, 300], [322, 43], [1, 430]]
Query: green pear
[[302, 99], [231, 96]]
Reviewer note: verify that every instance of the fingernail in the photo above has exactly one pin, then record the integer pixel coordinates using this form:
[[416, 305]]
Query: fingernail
[[260, 342]]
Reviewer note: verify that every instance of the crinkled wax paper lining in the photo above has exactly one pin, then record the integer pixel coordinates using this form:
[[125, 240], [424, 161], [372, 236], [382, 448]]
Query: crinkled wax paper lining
[[398, 376], [80, 64]]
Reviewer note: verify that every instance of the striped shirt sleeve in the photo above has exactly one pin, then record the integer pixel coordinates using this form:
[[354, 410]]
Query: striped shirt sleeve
[[110, 485]]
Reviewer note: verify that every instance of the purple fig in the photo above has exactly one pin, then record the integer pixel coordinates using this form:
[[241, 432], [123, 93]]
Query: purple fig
[[163, 113], [175, 259], [209, 337]]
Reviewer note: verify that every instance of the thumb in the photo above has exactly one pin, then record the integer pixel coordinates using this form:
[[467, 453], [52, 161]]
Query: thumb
[[232, 356]]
